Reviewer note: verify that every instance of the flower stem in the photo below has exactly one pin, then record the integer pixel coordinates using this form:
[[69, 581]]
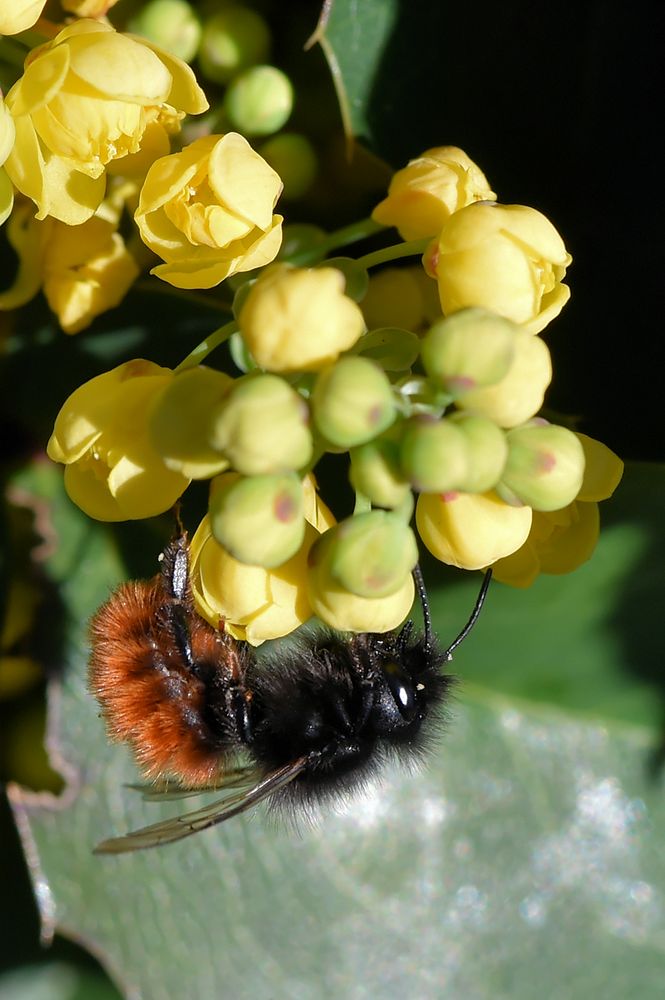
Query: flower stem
[[202, 350], [412, 249], [353, 233]]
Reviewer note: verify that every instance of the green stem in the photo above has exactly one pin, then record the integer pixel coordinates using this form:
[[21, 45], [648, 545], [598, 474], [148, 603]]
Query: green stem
[[11, 52], [412, 249], [202, 350], [339, 238]]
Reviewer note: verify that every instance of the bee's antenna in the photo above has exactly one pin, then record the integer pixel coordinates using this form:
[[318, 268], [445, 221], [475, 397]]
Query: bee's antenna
[[424, 601], [480, 600]]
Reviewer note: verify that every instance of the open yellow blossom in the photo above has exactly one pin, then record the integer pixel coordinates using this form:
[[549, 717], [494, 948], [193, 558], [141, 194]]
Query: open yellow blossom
[[7, 136], [84, 270], [506, 258], [19, 15], [299, 319], [471, 530], [208, 211], [429, 189], [254, 603], [113, 471], [84, 100], [559, 541]]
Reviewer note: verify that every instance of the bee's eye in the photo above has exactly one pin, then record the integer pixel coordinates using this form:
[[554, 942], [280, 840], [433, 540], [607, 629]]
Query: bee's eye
[[401, 687]]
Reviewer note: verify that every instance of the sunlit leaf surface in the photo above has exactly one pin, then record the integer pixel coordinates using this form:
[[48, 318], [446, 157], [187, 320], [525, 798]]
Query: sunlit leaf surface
[[530, 852]]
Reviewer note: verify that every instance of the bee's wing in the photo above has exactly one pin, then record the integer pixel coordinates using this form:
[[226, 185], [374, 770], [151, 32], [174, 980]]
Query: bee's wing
[[165, 789], [170, 830]]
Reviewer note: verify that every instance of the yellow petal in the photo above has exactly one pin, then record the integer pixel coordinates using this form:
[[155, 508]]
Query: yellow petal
[[42, 80], [602, 471], [243, 181]]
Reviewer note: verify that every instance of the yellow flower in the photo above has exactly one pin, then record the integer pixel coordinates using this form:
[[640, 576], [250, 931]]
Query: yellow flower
[[84, 270], [507, 258], [341, 609], [86, 99], [518, 396], [561, 540], [7, 136], [470, 530], [88, 8], [297, 319], [113, 471], [19, 15], [254, 603], [208, 211], [429, 190]]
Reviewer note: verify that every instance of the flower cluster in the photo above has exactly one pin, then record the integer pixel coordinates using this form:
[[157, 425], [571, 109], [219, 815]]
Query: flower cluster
[[424, 383]]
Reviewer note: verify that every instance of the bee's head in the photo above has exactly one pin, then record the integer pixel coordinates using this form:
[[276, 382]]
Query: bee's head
[[346, 705]]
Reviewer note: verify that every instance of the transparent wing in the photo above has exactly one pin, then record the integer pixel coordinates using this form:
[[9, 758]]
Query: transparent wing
[[165, 789], [170, 830]]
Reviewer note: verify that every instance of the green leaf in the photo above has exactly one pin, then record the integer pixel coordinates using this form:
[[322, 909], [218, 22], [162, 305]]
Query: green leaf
[[529, 852], [352, 37]]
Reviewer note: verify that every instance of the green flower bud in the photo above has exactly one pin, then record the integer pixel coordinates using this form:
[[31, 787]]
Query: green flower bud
[[434, 455], [487, 451], [472, 348], [180, 422], [294, 159], [172, 24], [376, 472], [371, 554], [263, 427], [393, 349], [232, 41], [299, 236], [259, 101], [545, 466], [259, 520], [352, 402]]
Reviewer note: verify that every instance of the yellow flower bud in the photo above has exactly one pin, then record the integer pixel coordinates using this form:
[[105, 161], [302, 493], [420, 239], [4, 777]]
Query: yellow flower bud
[[487, 451], [506, 258], [424, 194], [469, 350], [544, 468], [84, 100], [434, 455], [297, 319], [113, 471], [348, 612], [252, 602], [394, 299], [471, 530], [263, 426], [19, 15], [182, 422], [352, 402], [371, 554], [519, 394], [259, 520], [376, 472], [208, 211]]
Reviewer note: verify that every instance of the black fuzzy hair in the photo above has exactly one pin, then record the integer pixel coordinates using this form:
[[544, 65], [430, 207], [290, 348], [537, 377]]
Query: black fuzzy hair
[[336, 702]]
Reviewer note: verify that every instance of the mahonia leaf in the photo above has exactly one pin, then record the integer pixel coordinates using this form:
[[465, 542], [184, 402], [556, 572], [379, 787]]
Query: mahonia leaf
[[530, 830], [353, 37]]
